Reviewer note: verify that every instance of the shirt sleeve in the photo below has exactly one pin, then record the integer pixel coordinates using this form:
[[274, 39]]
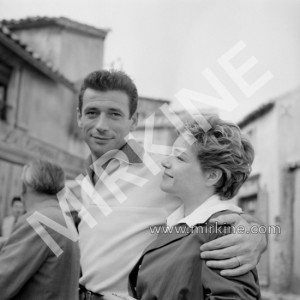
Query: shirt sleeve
[[20, 257], [217, 287]]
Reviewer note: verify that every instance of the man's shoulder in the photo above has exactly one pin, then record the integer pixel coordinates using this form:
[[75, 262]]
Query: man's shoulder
[[51, 211]]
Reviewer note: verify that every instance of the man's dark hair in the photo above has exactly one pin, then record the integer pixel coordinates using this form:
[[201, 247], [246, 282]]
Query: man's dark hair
[[112, 80], [15, 199]]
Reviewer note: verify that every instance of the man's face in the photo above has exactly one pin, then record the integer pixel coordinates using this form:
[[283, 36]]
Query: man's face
[[18, 208], [105, 121]]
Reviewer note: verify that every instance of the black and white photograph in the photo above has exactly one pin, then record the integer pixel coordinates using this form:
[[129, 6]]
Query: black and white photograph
[[149, 149]]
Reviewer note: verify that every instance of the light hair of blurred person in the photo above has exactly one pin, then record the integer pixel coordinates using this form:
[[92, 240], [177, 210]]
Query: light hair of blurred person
[[29, 268]]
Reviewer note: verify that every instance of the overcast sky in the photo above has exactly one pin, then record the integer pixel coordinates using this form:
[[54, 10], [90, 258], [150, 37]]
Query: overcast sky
[[166, 44]]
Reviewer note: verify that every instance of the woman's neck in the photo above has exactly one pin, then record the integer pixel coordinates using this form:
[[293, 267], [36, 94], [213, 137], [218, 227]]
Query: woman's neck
[[192, 202]]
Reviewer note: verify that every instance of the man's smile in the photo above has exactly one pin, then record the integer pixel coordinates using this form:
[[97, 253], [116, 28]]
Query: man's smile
[[101, 138]]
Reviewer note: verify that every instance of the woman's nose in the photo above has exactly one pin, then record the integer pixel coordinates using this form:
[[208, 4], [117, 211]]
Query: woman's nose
[[166, 163]]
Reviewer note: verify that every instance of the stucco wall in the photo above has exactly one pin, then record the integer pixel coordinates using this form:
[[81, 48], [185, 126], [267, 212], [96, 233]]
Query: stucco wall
[[80, 55], [73, 54], [266, 168], [45, 108], [289, 127], [296, 249], [45, 41], [275, 137]]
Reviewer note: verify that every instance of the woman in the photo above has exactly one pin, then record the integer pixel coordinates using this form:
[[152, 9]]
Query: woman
[[204, 170]]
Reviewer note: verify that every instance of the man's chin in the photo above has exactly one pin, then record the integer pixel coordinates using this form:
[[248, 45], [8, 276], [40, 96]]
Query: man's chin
[[99, 151]]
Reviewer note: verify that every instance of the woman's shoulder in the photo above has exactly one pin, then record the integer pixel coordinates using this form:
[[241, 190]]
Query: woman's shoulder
[[209, 230]]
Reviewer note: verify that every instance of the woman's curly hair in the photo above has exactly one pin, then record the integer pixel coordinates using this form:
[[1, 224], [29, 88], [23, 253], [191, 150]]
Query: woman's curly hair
[[222, 147]]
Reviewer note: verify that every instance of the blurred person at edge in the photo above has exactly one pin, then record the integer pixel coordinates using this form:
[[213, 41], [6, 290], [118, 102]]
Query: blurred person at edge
[[29, 269], [17, 209], [108, 251], [203, 175]]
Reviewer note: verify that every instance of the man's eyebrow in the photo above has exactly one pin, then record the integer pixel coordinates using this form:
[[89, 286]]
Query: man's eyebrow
[[90, 108], [112, 109]]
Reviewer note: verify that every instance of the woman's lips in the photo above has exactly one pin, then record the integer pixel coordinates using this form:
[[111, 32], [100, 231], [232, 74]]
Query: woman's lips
[[166, 174]]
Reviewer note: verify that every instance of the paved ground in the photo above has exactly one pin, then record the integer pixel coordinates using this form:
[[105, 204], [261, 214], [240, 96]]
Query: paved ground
[[266, 295]]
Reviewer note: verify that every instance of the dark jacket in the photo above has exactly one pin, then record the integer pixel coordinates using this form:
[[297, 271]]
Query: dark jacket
[[29, 270], [171, 268]]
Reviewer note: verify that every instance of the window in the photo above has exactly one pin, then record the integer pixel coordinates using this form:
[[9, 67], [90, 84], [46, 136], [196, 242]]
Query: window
[[3, 104], [5, 72], [249, 204]]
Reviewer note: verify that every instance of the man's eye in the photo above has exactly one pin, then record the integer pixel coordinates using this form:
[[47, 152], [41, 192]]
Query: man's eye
[[91, 113], [115, 114]]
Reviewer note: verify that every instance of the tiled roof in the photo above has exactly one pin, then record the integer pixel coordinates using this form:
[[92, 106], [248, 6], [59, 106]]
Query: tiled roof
[[254, 115], [33, 22], [14, 43]]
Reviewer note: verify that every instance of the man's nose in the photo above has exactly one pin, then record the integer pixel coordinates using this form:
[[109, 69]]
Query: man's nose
[[102, 122]]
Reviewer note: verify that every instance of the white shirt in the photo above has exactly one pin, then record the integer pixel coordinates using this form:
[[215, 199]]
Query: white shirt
[[112, 247], [202, 213]]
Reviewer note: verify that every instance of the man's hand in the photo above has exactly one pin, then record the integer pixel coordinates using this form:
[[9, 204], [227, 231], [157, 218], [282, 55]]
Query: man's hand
[[236, 253]]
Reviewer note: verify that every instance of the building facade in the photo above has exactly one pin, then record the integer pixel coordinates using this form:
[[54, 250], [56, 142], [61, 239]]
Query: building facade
[[153, 126], [41, 62], [272, 193]]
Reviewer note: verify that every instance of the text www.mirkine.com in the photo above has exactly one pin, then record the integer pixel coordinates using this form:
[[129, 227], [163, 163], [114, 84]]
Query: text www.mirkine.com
[[216, 228]]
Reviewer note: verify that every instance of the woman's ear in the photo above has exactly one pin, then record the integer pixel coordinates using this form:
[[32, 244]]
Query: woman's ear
[[213, 176]]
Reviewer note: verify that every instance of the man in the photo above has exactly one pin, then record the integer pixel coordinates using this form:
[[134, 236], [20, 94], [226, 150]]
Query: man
[[29, 269], [126, 199], [17, 208]]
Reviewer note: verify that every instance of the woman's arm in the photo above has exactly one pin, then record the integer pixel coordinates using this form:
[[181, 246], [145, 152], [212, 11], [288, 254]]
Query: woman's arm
[[242, 287], [217, 287], [236, 253]]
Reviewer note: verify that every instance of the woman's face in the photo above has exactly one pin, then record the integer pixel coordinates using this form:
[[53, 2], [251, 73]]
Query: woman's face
[[183, 175]]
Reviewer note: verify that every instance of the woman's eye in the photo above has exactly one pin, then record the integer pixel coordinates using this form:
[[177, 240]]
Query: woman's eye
[[180, 158]]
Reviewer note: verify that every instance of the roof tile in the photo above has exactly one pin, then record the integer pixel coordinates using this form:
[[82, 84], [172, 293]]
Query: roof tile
[[34, 58]]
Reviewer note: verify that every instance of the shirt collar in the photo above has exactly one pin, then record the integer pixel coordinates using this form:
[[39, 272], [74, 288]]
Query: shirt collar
[[131, 153], [52, 201], [201, 214]]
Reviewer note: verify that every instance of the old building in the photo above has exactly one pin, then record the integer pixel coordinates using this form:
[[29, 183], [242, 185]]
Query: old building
[[153, 122], [272, 193], [41, 62]]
